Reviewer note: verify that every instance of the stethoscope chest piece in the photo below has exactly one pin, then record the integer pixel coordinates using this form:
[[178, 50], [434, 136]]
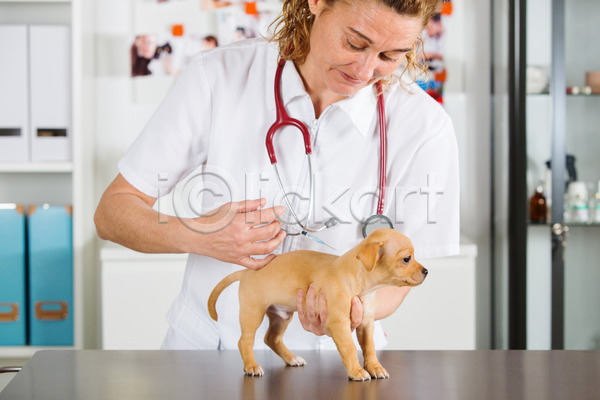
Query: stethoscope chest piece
[[377, 221]]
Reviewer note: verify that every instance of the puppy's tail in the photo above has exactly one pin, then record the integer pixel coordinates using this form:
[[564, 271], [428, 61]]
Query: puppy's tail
[[228, 280]]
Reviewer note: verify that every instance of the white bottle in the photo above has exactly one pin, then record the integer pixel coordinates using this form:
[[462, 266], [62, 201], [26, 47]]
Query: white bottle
[[580, 211], [578, 203], [595, 207]]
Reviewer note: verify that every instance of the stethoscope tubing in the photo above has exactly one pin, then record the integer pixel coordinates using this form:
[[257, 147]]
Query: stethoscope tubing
[[310, 200], [283, 119], [382, 148]]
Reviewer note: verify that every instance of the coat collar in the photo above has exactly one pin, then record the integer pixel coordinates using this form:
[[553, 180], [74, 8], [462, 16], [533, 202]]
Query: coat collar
[[359, 108]]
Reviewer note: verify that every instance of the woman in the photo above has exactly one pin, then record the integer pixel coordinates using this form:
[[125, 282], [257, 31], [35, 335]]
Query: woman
[[217, 115]]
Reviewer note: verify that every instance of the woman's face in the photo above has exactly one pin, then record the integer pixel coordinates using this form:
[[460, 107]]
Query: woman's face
[[356, 43]]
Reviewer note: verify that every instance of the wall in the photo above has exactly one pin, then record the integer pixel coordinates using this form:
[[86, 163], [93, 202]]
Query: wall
[[117, 119], [468, 103], [120, 116], [499, 146]]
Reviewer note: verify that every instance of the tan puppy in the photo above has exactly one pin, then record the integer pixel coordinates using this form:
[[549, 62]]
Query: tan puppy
[[384, 258]]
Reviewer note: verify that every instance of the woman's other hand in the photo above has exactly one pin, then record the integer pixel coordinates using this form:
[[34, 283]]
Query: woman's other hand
[[313, 312]]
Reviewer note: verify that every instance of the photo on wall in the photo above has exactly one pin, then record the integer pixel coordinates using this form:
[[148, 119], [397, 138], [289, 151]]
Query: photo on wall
[[151, 54], [167, 53], [168, 34], [432, 56], [245, 19]]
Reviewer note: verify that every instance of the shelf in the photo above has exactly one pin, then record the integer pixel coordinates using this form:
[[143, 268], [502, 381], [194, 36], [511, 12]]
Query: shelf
[[568, 95], [582, 225], [36, 167], [40, 12], [34, 1], [60, 182], [568, 224], [27, 351]]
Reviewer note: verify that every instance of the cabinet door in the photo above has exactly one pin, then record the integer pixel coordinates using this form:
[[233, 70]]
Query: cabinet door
[[582, 141], [137, 291], [562, 119], [424, 322]]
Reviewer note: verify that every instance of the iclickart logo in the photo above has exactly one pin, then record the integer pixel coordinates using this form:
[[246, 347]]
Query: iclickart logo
[[204, 200]]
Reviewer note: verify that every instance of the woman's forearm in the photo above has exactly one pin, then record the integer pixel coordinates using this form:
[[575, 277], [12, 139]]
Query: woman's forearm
[[389, 299], [127, 218]]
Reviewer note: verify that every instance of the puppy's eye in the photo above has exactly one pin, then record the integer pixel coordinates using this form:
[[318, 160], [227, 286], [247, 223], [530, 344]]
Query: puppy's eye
[[407, 259]]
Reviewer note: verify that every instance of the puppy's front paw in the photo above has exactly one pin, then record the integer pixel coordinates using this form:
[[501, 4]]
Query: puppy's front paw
[[377, 371], [253, 370], [297, 361], [359, 374]]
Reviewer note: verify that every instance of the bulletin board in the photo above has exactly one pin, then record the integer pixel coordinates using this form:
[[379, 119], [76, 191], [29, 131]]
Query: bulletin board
[[432, 56]]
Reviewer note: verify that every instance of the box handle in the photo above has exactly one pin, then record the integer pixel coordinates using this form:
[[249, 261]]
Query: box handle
[[12, 314], [46, 310]]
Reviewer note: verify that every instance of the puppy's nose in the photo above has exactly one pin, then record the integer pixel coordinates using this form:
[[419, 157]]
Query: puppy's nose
[[424, 271]]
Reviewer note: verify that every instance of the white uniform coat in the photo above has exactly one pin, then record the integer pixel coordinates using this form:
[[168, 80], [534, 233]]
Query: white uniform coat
[[212, 127]]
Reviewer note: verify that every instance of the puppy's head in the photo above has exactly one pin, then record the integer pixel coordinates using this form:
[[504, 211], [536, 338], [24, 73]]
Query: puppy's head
[[389, 255]]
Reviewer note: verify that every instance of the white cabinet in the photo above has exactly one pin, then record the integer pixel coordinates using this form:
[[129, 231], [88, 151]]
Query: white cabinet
[[439, 314], [137, 290]]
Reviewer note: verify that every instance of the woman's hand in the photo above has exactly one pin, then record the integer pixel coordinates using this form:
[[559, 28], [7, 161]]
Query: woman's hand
[[313, 315], [232, 233], [237, 231]]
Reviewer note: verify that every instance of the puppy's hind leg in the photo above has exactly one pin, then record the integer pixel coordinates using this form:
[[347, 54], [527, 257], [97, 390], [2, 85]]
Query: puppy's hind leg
[[250, 320], [274, 339]]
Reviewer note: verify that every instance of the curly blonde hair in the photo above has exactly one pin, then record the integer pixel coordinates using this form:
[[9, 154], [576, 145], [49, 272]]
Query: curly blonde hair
[[293, 25]]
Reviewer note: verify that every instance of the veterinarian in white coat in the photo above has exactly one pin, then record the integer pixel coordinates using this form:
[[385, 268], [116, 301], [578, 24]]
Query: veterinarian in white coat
[[211, 128]]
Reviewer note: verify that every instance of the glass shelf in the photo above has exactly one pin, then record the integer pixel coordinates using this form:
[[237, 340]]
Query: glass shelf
[[569, 224], [582, 225], [569, 95]]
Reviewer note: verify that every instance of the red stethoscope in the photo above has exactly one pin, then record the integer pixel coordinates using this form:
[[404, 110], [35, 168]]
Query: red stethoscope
[[283, 119]]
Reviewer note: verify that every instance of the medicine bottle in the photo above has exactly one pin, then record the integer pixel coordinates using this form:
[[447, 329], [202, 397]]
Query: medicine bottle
[[595, 208], [580, 211], [537, 206]]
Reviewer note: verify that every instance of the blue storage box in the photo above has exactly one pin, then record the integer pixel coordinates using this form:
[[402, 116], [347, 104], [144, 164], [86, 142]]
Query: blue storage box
[[50, 250], [13, 319]]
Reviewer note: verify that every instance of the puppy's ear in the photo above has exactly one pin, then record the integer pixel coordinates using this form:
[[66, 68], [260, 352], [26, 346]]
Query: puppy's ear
[[370, 254]]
